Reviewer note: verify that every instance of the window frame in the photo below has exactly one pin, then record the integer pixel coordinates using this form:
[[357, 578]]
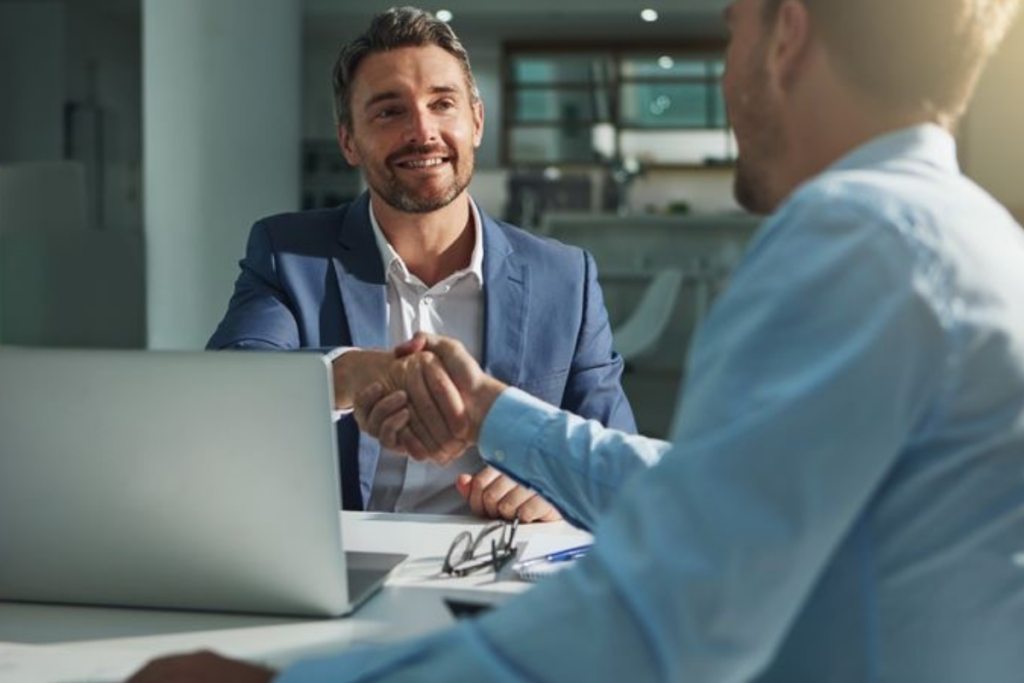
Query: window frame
[[616, 54]]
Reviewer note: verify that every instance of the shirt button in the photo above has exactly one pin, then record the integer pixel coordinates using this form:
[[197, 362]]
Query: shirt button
[[499, 456]]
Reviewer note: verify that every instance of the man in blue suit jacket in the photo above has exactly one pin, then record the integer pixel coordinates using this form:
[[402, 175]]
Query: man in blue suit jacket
[[315, 280], [366, 275]]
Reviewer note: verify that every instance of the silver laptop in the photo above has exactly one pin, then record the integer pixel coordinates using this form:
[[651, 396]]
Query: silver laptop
[[196, 481]]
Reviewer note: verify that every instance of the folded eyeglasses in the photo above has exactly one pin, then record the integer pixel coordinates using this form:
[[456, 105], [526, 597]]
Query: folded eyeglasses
[[491, 548]]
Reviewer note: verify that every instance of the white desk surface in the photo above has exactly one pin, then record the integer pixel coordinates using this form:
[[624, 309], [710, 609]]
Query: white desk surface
[[57, 643]]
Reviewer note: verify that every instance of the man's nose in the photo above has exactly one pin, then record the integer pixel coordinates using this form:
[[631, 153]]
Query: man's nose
[[422, 127]]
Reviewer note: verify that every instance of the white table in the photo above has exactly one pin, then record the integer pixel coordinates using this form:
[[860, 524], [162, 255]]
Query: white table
[[56, 643]]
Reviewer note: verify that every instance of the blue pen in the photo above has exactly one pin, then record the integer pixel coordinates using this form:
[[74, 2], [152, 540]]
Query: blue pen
[[559, 556]]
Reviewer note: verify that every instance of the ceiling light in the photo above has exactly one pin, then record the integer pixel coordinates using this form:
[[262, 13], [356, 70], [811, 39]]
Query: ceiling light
[[444, 15], [666, 62], [649, 15]]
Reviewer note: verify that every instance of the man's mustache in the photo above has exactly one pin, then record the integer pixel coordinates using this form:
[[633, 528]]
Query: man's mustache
[[421, 150]]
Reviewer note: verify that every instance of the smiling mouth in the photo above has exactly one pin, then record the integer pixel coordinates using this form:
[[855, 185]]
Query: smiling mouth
[[417, 164]]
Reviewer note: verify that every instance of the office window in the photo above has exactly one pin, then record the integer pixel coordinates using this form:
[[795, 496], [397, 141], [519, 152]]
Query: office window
[[661, 108], [555, 105]]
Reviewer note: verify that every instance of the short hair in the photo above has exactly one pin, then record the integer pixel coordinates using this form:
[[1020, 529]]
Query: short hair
[[392, 29], [916, 53]]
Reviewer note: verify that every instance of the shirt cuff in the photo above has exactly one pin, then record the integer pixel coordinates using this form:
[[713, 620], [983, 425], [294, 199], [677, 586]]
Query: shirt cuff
[[329, 358], [510, 429]]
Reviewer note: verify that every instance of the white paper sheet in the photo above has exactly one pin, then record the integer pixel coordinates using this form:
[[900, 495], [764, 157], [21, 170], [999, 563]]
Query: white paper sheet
[[545, 544]]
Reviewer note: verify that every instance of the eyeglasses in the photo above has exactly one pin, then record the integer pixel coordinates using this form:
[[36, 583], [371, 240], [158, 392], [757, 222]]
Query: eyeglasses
[[468, 553]]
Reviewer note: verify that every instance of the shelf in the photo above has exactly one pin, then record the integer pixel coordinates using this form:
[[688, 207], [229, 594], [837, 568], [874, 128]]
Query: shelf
[[729, 166]]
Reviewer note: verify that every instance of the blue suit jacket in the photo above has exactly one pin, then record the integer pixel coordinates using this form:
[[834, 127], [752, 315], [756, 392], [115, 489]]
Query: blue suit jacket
[[314, 280]]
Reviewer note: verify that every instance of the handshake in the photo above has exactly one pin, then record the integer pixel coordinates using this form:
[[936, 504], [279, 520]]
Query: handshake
[[427, 399]]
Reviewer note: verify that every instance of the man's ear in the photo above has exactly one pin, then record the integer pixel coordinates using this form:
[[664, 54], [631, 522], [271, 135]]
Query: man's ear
[[478, 122], [791, 42], [347, 145]]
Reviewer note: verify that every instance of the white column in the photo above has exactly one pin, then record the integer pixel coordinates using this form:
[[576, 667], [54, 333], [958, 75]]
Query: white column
[[221, 113]]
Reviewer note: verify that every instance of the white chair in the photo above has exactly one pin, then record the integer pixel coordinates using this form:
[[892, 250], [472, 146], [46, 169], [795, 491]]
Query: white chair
[[639, 335]]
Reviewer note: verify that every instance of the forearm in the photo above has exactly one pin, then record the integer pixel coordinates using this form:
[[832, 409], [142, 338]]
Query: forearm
[[260, 315], [577, 464], [508, 644]]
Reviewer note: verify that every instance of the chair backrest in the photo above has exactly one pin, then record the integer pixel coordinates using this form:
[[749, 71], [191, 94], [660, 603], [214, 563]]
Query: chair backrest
[[43, 197], [638, 336]]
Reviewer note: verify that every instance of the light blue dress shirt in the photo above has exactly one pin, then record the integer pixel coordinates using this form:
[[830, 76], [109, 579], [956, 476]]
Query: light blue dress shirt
[[844, 499]]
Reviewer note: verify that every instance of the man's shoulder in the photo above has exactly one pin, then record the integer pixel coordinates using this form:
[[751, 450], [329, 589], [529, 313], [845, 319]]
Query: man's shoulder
[[901, 190], [309, 219], [529, 245], [312, 230], [933, 220]]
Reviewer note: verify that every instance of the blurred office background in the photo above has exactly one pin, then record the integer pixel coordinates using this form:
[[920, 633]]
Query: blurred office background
[[139, 139]]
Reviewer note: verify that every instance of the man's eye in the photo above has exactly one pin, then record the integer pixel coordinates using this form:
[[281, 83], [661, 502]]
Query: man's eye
[[444, 104], [387, 114]]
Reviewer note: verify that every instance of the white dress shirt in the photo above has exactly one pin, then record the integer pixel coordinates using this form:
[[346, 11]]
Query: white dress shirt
[[453, 307]]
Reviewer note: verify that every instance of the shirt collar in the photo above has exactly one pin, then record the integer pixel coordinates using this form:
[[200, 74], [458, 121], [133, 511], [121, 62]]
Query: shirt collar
[[389, 256], [926, 142]]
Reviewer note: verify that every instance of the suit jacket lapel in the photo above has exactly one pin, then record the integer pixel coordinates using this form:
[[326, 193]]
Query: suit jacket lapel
[[361, 278], [363, 295], [506, 304]]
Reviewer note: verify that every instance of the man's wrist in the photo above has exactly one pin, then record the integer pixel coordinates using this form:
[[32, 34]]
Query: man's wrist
[[352, 371], [479, 403]]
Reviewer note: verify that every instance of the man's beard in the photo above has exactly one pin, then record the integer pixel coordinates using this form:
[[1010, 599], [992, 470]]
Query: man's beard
[[399, 196], [760, 144], [750, 189]]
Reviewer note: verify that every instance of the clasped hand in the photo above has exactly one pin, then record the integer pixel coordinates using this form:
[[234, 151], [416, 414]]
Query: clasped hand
[[429, 402], [408, 402]]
